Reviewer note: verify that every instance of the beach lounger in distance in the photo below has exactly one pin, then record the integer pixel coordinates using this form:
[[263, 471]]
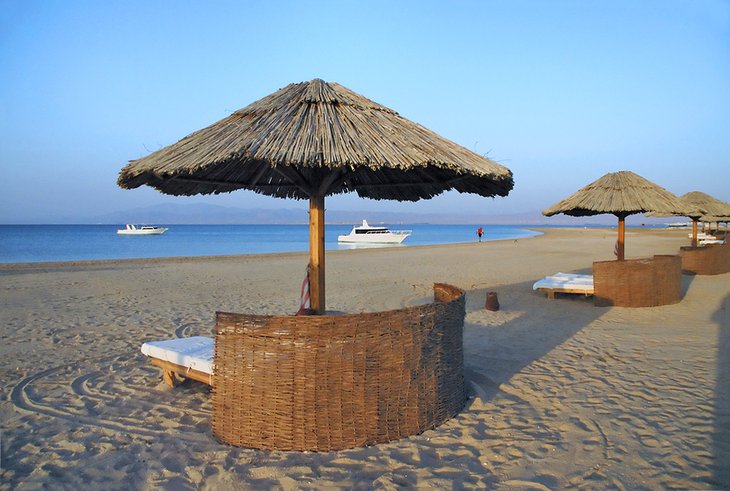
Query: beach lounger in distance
[[185, 357], [565, 283]]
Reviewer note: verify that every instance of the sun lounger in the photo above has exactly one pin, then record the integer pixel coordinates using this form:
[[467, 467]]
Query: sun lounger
[[711, 241], [565, 283], [187, 357]]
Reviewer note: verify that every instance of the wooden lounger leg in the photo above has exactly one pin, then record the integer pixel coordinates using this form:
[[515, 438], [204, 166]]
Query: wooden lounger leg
[[170, 378], [551, 294], [173, 374]]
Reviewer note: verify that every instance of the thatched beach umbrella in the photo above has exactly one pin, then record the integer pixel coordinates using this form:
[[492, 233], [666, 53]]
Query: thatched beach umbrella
[[619, 193], [710, 219], [713, 210], [692, 208], [701, 207], [314, 139], [710, 205]]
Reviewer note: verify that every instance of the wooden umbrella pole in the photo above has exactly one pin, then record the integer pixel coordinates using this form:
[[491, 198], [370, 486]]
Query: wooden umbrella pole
[[316, 253], [621, 233], [694, 232]]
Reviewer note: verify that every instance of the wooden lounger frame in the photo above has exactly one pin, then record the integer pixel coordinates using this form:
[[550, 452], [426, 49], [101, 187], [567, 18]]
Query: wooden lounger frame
[[552, 291], [171, 371]]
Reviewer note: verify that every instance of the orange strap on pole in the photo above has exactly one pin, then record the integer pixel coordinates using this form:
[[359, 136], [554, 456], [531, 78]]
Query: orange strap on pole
[[304, 305]]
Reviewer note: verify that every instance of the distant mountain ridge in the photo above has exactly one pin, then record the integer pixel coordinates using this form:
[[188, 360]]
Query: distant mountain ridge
[[203, 213]]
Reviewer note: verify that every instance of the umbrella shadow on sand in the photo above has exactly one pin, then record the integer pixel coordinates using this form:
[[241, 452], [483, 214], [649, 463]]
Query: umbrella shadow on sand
[[515, 337], [498, 345]]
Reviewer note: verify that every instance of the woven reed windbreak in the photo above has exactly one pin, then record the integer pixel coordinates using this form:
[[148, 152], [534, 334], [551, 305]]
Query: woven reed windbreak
[[646, 282], [706, 260], [338, 381]]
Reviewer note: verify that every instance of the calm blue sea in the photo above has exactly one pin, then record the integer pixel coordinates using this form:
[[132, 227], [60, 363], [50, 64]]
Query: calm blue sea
[[40, 243]]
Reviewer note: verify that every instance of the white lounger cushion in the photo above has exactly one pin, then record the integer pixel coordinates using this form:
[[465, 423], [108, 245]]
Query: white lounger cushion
[[711, 241], [195, 352], [581, 282]]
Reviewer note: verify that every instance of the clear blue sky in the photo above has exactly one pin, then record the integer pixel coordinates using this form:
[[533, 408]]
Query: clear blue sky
[[561, 92]]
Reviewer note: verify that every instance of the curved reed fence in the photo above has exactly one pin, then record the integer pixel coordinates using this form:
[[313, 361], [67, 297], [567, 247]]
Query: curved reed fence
[[706, 260], [646, 282], [338, 381]]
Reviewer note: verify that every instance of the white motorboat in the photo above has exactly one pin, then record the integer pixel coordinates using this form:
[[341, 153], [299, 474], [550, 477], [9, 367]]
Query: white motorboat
[[141, 230], [366, 234]]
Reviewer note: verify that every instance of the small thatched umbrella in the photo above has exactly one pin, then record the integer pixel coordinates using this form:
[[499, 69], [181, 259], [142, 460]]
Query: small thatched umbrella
[[710, 219], [620, 193], [314, 139], [711, 206], [713, 210], [691, 208]]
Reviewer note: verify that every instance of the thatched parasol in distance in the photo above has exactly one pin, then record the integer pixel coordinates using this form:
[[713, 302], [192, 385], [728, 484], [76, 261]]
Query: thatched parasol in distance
[[310, 140], [694, 206], [620, 193], [715, 218], [711, 206], [701, 207], [705, 208], [714, 210], [710, 219]]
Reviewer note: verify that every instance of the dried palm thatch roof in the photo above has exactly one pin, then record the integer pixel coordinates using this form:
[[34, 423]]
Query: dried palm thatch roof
[[317, 138], [689, 209], [711, 207], [620, 193], [713, 218]]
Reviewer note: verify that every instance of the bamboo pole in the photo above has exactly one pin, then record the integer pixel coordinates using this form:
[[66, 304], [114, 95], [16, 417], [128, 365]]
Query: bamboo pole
[[694, 232], [316, 253], [621, 235]]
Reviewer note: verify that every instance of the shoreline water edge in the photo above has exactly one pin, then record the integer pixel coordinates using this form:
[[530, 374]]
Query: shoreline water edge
[[57, 243], [64, 243]]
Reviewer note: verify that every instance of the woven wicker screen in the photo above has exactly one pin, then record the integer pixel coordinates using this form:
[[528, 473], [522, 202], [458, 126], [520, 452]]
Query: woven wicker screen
[[706, 260], [338, 381], [646, 282]]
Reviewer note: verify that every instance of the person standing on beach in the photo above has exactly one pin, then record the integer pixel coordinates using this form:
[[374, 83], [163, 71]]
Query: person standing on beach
[[480, 231]]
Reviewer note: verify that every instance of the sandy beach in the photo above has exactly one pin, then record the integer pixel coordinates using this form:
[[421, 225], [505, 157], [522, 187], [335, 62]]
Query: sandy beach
[[563, 395]]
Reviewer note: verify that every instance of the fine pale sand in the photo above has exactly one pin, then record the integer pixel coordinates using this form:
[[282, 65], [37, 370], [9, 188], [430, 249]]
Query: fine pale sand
[[563, 394]]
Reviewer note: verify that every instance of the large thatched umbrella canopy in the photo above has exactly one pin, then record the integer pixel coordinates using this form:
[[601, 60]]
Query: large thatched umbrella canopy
[[620, 193], [310, 140]]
